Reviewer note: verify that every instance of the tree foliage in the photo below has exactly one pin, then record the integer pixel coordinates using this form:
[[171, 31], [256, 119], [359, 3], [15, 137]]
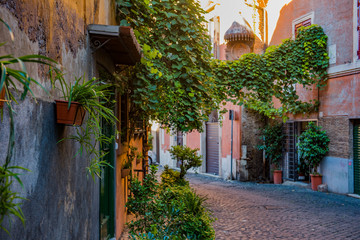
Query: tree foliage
[[173, 83], [272, 137], [178, 84], [186, 157]]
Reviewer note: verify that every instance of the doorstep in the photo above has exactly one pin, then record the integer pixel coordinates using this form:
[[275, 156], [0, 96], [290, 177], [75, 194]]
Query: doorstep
[[297, 184], [354, 195]]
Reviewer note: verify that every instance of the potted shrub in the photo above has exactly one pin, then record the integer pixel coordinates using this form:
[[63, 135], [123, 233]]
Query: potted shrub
[[302, 171], [272, 137], [313, 146]]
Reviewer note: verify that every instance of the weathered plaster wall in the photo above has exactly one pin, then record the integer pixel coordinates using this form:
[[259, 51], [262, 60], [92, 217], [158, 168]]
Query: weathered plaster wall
[[63, 202], [341, 96], [337, 174], [193, 140], [334, 16], [165, 145], [225, 157]]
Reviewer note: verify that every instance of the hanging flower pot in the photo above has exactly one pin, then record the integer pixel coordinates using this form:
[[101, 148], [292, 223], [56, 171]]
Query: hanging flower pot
[[2, 97], [69, 116], [316, 180], [277, 176], [125, 172]]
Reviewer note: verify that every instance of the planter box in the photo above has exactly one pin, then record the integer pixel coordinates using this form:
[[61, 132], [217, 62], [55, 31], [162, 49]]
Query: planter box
[[69, 116], [316, 180], [277, 176], [2, 97], [125, 172]]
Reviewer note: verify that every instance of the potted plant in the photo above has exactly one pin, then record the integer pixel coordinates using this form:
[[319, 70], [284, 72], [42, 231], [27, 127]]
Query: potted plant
[[313, 146], [94, 97], [272, 137], [126, 169], [302, 170]]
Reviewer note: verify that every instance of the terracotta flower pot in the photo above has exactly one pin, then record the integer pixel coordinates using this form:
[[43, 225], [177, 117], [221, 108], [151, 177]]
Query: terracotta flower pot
[[316, 180], [2, 97], [277, 176], [72, 116], [125, 172]]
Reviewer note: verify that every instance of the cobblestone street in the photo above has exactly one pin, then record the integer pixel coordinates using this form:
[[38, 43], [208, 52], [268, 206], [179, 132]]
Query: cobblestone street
[[267, 211]]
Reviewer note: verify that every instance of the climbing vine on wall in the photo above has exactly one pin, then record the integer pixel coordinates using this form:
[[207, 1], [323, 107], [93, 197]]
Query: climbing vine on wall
[[173, 83], [178, 84], [255, 79]]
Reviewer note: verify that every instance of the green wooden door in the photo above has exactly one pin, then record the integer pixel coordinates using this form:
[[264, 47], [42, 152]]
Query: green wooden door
[[357, 158], [107, 188]]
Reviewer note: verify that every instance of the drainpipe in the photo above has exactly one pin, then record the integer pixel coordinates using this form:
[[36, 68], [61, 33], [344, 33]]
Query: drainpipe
[[231, 117]]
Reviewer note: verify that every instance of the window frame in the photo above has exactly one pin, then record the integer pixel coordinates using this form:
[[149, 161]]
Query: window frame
[[309, 16]]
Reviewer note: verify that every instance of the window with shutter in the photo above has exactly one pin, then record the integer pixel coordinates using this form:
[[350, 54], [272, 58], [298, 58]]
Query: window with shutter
[[305, 23]]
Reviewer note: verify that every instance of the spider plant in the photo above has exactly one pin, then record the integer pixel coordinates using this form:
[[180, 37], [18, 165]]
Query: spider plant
[[95, 97]]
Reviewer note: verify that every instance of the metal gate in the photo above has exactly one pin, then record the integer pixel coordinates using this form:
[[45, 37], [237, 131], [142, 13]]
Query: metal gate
[[290, 153], [212, 148], [357, 158]]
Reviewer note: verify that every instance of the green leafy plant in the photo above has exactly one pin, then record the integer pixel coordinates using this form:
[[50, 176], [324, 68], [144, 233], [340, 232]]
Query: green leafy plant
[[173, 83], [149, 141], [10, 80], [178, 84], [187, 158], [255, 79], [164, 212], [95, 97], [170, 177], [272, 137], [313, 145]]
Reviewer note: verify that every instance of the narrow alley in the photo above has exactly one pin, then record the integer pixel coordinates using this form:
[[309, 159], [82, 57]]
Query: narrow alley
[[268, 211]]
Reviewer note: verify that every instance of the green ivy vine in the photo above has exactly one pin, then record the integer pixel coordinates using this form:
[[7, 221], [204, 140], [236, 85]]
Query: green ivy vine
[[173, 83], [255, 79], [178, 84]]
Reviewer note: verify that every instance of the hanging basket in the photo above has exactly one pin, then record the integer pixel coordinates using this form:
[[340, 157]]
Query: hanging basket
[[2, 97], [125, 172], [72, 116]]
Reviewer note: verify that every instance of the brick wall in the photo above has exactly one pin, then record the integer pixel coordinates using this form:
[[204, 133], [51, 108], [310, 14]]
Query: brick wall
[[338, 130]]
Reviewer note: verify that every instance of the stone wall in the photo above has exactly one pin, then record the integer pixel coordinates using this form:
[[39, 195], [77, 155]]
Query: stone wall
[[252, 122], [338, 130]]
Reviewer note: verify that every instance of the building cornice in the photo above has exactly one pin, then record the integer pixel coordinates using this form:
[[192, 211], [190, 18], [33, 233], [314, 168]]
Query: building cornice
[[344, 70]]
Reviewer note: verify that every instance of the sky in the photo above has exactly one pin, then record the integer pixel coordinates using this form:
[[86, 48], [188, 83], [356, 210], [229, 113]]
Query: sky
[[228, 10]]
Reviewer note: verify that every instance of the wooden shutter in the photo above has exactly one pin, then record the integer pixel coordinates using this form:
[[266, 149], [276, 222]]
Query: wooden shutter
[[358, 27], [305, 23], [357, 158]]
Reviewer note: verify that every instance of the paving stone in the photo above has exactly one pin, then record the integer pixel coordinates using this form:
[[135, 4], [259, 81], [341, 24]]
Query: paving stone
[[268, 211]]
